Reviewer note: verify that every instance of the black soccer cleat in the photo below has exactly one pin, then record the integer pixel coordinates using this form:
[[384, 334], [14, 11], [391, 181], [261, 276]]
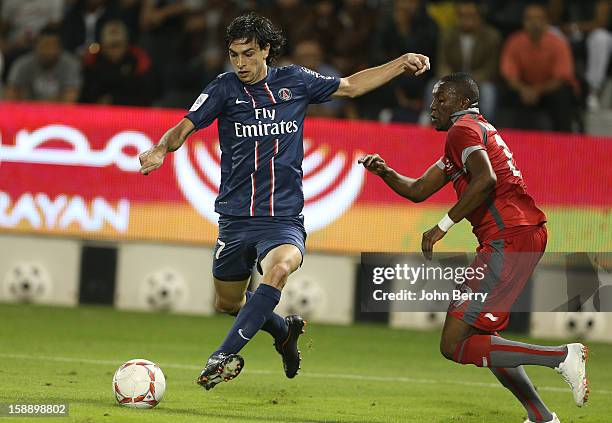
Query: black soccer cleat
[[288, 349], [220, 367]]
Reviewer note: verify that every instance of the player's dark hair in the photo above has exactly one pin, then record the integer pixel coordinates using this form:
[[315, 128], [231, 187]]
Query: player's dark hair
[[255, 27], [464, 85]]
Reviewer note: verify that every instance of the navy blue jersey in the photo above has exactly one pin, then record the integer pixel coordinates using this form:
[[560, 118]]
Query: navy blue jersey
[[261, 129]]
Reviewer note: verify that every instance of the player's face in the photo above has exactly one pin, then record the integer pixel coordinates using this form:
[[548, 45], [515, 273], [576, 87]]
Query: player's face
[[444, 104], [248, 60]]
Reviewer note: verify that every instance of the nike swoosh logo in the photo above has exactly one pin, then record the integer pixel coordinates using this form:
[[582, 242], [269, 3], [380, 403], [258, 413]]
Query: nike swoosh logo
[[238, 101], [242, 336], [491, 317]]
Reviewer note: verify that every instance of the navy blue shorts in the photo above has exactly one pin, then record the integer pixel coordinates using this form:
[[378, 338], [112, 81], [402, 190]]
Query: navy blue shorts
[[245, 241]]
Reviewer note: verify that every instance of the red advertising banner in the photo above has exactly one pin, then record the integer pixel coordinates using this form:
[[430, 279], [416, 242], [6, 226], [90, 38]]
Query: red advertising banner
[[74, 171]]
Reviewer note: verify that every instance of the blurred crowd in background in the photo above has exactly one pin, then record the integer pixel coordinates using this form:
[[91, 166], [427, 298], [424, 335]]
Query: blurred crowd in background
[[539, 64]]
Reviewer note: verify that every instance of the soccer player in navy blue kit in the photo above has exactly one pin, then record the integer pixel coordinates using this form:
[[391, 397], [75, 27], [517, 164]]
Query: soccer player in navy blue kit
[[260, 111]]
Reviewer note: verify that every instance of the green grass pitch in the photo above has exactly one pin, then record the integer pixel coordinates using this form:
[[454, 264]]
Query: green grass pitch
[[361, 373]]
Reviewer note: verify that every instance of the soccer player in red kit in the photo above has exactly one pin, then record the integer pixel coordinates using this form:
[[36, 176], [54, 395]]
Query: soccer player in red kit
[[512, 238]]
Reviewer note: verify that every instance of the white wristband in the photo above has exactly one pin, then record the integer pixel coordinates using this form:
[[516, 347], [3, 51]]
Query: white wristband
[[446, 223]]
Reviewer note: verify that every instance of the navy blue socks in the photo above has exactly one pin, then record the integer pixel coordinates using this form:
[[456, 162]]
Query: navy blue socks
[[275, 325], [257, 313]]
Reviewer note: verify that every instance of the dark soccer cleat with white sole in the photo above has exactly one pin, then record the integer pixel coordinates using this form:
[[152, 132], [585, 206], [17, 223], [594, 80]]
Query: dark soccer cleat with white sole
[[288, 349], [219, 368]]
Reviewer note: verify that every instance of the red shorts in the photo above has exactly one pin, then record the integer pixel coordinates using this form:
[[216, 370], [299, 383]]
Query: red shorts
[[505, 264]]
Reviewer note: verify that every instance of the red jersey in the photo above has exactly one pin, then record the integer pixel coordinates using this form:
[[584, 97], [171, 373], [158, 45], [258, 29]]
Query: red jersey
[[508, 205]]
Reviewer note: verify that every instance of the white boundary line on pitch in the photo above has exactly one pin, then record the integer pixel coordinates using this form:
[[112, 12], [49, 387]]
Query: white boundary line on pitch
[[305, 374]]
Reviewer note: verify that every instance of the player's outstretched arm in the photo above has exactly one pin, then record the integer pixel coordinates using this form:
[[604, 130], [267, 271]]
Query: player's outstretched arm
[[171, 141], [416, 190], [372, 78]]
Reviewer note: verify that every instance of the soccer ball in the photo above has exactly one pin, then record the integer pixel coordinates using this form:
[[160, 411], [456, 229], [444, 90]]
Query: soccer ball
[[26, 282], [580, 324], [139, 384], [303, 296], [164, 290]]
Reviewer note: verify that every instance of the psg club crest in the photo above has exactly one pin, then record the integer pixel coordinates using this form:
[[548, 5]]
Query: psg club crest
[[285, 94]]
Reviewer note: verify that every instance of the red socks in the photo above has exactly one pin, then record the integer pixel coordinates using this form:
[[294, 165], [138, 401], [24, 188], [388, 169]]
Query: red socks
[[495, 351]]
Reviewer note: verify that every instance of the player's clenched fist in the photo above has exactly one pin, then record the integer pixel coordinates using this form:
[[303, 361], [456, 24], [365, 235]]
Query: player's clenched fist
[[374, 163], [152, 159], [430, 237], [415, 63]]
